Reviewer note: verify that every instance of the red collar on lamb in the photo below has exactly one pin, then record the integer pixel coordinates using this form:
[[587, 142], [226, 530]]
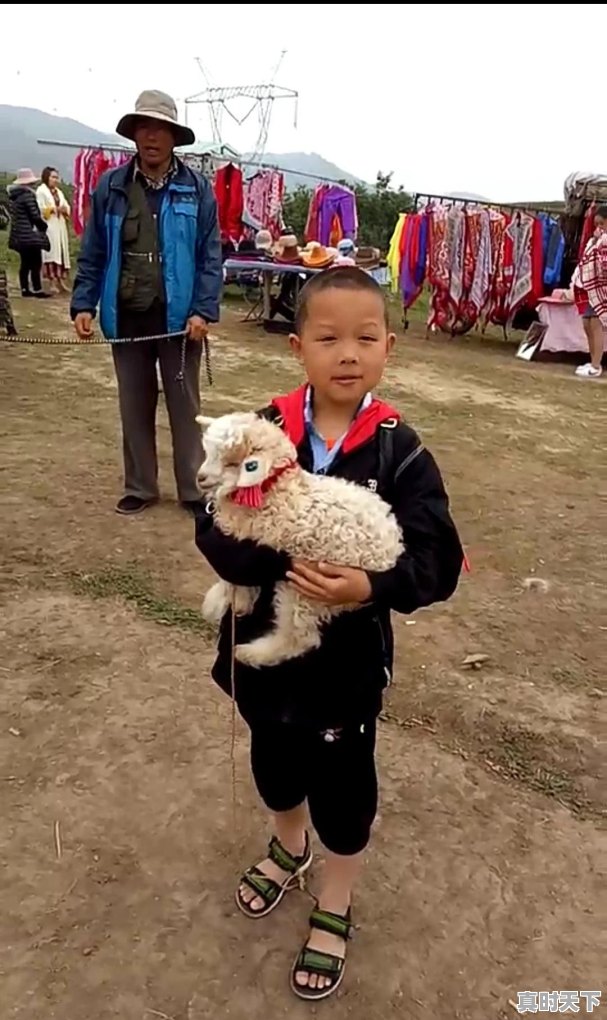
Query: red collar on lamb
[[363, 428], [252, 496]]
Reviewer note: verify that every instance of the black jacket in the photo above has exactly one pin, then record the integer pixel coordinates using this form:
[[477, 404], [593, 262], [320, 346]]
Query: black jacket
[[28, 229], [343, 680]]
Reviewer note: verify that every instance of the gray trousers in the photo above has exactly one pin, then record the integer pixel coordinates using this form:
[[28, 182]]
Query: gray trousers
[[135, 365]]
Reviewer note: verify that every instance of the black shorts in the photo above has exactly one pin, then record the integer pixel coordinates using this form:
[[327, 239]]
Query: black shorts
[[293, 763]]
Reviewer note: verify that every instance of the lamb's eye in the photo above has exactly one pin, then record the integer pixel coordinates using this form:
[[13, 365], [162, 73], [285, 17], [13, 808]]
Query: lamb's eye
[[251, 465]]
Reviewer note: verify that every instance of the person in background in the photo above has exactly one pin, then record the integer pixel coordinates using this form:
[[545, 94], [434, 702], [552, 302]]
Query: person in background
[[56, 211], [593, 326], [28, 233], [151, 256]]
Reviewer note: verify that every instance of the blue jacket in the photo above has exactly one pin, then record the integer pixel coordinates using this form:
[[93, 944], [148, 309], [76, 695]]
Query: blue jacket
[[189, 243]]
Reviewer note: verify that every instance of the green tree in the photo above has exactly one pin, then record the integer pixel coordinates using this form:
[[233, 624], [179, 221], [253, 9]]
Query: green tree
[[378, 210]]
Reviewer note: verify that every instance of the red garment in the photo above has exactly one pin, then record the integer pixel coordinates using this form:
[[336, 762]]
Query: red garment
[[537, 263], [230, 202], [587, 229]]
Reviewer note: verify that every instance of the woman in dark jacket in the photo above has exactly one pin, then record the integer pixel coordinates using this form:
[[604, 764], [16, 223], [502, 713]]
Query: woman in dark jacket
[[28, 232]]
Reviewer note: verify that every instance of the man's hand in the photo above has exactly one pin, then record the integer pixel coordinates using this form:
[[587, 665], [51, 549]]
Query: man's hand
[[83, 324], [197, 328], [335, 586]]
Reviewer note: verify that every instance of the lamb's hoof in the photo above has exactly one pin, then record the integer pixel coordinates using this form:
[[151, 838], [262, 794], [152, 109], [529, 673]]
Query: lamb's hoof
[[214, 607], [244, 600]]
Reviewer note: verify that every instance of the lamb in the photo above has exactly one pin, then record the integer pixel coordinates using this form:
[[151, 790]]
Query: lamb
[[260, 492]]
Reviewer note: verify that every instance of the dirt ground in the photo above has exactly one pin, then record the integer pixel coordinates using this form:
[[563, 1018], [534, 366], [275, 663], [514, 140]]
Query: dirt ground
[[117, 841]]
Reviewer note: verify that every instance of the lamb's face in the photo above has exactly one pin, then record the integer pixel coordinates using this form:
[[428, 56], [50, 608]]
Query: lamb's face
[[241, 450]]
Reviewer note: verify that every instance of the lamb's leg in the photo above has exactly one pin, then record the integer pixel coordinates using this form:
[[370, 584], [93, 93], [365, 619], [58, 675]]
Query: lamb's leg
[[218, 600], [295, 631]]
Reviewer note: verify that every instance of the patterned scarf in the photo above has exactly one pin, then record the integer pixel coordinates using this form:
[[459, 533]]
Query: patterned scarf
[[593, 276]]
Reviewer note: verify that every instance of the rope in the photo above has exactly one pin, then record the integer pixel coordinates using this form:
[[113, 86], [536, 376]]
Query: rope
[[68, 340], [233, 697]]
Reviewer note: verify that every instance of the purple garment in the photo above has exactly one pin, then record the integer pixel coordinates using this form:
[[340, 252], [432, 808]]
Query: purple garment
[[340, 202], [419, 273]]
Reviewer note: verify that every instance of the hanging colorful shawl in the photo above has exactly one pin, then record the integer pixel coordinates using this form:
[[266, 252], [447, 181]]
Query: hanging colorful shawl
[[479, 290], [456, 235], [520, 231], [409, 288], [502, 254], [394, 253], [438, 267]]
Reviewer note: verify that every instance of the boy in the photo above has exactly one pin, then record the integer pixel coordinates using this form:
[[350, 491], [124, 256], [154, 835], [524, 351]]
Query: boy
[[313, 719]]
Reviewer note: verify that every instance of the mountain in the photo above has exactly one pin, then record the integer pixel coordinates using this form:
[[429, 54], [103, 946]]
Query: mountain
[[21, 127]]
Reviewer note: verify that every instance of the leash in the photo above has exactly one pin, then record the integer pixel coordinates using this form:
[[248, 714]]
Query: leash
[[233, 697], [66, 340]]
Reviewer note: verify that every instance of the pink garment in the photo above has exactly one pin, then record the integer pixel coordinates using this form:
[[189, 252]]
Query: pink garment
[[264, 194], [89, 165], [565, 331]]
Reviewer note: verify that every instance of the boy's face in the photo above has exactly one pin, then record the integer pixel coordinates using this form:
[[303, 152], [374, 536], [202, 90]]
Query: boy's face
[[344, 344]]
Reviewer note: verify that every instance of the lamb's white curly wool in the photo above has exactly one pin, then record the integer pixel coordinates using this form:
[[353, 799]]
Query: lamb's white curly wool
[[261, 493]]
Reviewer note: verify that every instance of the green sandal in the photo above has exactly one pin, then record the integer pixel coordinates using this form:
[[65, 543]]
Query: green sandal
[[266, 888], [325, 965]]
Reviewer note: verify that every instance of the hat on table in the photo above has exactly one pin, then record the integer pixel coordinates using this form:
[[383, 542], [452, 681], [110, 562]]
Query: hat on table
[[287, 250], [316, 256]]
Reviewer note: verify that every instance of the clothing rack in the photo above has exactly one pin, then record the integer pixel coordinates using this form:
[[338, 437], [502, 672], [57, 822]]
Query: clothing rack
[[498, 206], [229, 155]]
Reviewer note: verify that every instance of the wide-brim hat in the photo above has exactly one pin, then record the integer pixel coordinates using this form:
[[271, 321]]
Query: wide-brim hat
[[155, 106], [287, 249], [26, 176], [368, 258], [318, 257]]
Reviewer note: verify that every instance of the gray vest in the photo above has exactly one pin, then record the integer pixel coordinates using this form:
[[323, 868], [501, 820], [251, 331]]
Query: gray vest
[[141, 280]]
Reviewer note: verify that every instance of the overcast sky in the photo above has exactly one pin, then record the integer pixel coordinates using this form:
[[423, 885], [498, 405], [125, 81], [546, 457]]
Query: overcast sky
[[503, 100]]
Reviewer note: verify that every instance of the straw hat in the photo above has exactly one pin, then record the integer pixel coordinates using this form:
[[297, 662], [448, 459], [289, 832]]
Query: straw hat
[[287, 250], [26, 176], [155, 106], [316, 256]]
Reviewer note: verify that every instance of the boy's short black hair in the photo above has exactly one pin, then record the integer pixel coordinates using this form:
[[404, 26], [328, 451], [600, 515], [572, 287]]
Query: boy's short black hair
[[338, 278], [601, 211]]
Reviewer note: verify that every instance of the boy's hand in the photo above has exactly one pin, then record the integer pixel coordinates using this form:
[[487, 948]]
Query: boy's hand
[[335, 586]]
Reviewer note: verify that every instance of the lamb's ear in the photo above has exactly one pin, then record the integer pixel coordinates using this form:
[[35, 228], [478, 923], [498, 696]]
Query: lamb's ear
[[204, 421]]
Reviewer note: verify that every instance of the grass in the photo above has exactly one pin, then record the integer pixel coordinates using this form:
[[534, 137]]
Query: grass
[[136, 588]]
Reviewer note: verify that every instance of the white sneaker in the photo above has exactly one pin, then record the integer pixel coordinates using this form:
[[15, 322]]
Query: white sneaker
[[588, 371]]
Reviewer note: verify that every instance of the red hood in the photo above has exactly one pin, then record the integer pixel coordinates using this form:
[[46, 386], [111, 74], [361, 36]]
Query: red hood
[[363, 428]]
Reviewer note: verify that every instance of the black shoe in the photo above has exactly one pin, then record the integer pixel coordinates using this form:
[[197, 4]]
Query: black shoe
[[40, 294], [27, 293], [132, 505], [195, 507]]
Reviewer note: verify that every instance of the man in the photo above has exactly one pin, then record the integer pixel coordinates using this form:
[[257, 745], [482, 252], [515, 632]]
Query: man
[[151, 257]]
